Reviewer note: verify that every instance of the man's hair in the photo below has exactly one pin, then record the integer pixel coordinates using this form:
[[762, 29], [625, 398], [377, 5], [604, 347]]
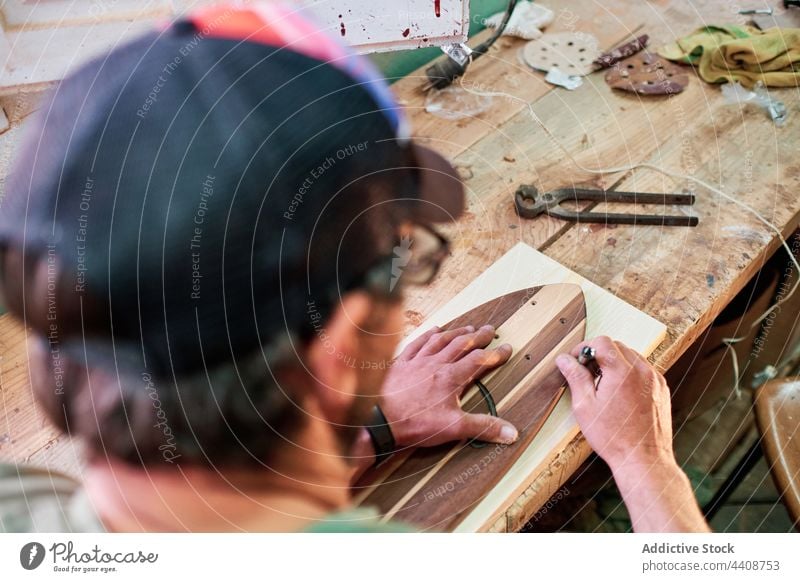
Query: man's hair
[[132, 364], [232, 413]]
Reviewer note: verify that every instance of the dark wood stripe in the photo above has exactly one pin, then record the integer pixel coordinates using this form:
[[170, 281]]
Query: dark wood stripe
[[533, 404], [417, 465], [495, 312], [472, 473], [529, 357]]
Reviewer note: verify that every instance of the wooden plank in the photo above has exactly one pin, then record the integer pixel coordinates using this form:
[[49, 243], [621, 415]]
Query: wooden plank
[[26, 435], [606, 315], [9, 140], [548, 320], [687, 276], [480, 470], [600, 126], [520, 268], [692, 130], [686, 302], [495, 313], [24, 428], [568, 459]]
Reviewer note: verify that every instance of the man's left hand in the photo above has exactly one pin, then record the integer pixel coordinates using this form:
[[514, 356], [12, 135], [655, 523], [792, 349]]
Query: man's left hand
[[421, 394]]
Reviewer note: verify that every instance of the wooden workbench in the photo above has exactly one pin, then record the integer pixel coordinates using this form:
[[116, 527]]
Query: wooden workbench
[[683, 277]]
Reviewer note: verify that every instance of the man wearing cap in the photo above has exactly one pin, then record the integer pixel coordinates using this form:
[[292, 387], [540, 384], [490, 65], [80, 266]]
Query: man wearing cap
[[208, 232]]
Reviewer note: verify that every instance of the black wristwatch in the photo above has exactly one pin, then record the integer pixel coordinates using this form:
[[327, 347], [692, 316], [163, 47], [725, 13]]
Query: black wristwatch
[[380, 433]]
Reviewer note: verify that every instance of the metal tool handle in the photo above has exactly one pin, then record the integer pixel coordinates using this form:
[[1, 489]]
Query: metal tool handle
[[614, 218], [633, 197]]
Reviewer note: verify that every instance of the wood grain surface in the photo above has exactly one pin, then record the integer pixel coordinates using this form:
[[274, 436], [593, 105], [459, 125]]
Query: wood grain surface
[[554, 446], [434, 487], [681, 277]]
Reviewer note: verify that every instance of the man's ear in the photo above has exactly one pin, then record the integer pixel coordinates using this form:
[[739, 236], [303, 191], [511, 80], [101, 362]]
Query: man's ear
[[333, 355]]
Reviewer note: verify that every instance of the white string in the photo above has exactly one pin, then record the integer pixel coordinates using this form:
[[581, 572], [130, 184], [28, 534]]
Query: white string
[[729, 341]]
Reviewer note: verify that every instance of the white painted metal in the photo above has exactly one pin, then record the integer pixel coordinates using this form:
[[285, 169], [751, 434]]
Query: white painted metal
[[383, 25]]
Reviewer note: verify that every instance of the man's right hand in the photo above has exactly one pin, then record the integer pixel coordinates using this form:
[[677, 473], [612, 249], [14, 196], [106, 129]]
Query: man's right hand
[[625, 416], [625, 413]]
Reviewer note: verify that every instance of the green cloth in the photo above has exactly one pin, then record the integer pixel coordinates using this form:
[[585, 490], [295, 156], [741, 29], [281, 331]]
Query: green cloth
[[740, 53], [33, 500], [398, 64]]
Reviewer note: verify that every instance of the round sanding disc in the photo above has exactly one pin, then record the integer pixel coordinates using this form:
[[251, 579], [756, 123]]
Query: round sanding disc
[[648, 74], [571, 52]]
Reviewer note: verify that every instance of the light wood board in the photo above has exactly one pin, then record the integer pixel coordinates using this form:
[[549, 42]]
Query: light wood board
[[683, 277], [539, 323], [519, 268]]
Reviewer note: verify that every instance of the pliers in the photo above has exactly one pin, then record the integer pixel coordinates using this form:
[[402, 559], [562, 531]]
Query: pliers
[[529, 204]]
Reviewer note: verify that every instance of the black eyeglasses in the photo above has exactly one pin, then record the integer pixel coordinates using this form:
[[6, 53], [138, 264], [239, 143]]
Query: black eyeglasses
[[415, 260]]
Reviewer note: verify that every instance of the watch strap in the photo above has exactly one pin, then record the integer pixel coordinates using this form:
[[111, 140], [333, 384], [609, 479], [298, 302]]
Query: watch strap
[[380, 433]]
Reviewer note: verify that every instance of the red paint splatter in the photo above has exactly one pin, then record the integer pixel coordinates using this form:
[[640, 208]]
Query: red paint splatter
[[343, 30], [437, 7], [406, 32]]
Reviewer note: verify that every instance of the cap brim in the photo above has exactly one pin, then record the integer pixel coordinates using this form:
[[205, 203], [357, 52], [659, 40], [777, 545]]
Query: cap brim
[[441, 192]]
